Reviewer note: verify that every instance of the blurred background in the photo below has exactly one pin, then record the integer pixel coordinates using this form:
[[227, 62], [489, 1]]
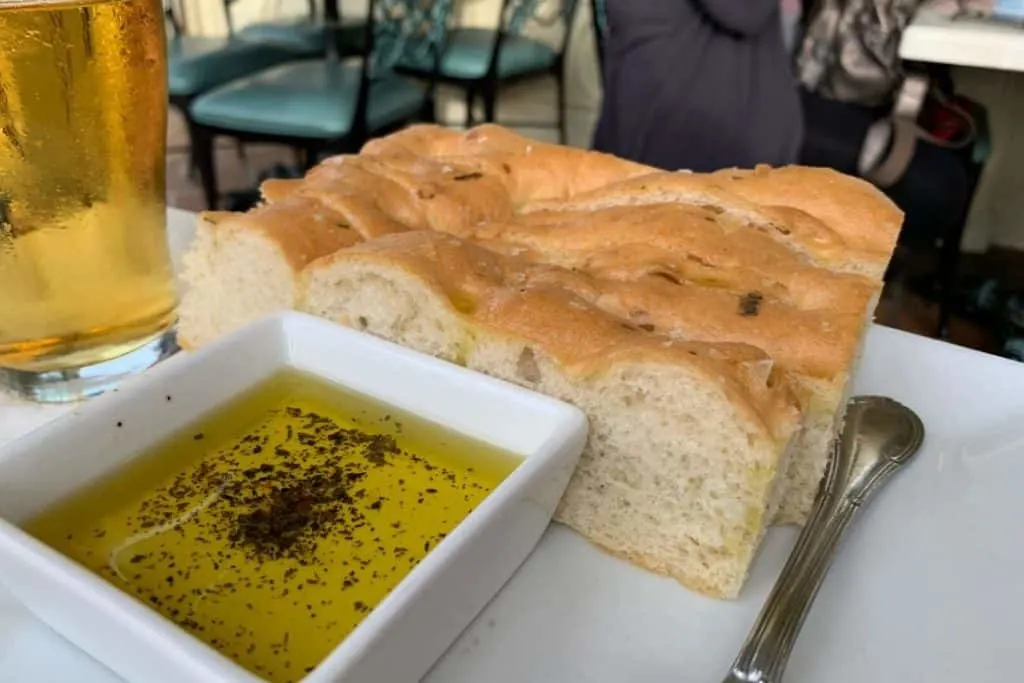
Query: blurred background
[[956, 77]]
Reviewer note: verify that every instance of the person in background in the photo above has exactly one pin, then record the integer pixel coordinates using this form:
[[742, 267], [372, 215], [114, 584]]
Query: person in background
[[698, 85]]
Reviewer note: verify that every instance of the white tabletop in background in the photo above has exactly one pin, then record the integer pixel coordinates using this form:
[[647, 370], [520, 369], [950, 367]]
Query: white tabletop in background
[[927, 588], [963, 42]]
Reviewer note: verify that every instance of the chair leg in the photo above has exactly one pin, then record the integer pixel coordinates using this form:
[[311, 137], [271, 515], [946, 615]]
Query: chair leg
[[470, 102], [310, 155], [428, 113], [192, 170], [563, 132], [182, 106], [202, 145], [490, 96]]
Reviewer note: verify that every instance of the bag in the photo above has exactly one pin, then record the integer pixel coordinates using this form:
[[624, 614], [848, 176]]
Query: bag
[[850, 53], [921, 113], [850, 50]]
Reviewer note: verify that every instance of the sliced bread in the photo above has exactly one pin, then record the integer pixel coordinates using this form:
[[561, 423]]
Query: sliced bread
[[241, 266], [686, 438], [688, 272]]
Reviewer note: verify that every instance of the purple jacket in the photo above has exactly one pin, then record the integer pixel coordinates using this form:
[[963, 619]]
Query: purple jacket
[[698, 84]]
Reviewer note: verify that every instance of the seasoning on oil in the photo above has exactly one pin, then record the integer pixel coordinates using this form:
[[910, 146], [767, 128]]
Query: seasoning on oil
[[272, 530]]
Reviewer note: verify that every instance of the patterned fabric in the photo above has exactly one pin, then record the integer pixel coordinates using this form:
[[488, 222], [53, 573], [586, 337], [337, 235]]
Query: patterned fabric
[[851, 50], [468, 51], [545, 13], [408, 30]]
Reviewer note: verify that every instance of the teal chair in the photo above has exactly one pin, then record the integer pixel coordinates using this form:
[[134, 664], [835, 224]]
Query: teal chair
[[481, 60], [197, 64], [332, 103]]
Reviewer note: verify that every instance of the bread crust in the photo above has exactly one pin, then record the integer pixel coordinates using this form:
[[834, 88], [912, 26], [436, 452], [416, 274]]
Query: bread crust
[[534, 171], [682, 268], [302, 230], [551, 308], [853, 208]]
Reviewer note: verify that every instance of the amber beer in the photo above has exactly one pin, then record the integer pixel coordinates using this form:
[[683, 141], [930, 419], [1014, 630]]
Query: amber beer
[[85, 273]]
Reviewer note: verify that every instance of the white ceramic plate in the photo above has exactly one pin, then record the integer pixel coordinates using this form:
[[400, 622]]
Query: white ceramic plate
[[927, 589]]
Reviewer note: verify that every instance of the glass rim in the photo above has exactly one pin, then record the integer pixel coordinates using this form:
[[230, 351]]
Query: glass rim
[[36, 3]]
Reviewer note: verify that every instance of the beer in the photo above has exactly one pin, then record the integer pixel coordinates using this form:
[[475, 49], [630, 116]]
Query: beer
[[85, 273]]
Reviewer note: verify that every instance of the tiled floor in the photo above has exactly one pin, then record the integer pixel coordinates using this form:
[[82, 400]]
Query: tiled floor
[[906, 311], [898, 308]]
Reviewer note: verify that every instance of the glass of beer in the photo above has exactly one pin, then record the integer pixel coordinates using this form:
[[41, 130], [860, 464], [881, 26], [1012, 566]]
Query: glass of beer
[[87, 293]]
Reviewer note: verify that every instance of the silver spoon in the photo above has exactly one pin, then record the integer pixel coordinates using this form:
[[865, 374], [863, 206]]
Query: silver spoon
[[879, 437]]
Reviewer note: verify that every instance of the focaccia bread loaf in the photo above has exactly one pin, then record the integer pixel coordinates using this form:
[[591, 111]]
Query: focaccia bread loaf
[[686, 438], [680, 270], [699, 261], [241, 266]]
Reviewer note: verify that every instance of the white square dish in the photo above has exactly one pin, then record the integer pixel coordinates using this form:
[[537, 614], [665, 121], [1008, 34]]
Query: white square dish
[[403, 636]]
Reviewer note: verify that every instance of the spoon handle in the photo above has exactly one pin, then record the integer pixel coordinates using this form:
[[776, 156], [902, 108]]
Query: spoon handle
[[879, 437]]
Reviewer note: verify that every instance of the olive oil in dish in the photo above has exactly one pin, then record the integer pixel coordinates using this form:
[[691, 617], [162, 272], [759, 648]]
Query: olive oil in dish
[[270, 530]]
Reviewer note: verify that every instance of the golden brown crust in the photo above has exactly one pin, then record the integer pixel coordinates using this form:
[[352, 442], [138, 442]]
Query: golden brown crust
[[681, 269], [859, 212], [798, 232], [354, 193], [552, 309], [841, 223], [380, 195], [302, 229], [701, 234], [533, 170]]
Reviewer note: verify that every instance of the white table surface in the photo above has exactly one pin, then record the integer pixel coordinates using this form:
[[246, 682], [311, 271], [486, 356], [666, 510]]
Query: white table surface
[[963, 42], [927, 588]]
